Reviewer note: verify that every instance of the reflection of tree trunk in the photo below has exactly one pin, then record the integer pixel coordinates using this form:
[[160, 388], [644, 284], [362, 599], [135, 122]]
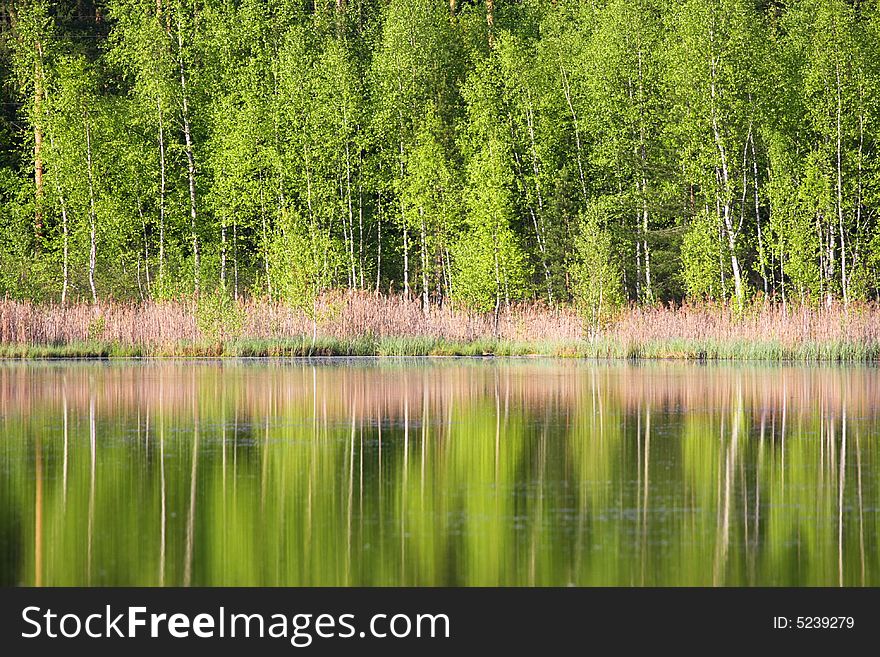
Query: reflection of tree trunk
[[404, 487], [379, 430], [842, 484], [723, 541], [64, 464], [861, 508], [313, 460], [264, 467], [93, 439], [162, 540], [645, 490], [38, 513], [350, 497], [756, 531], [424, 440], [191, 516]]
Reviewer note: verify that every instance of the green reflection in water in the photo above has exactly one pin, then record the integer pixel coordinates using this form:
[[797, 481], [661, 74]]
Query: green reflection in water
[[449, 472]]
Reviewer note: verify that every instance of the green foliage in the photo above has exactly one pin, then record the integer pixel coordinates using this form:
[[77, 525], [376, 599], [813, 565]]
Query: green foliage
[[489, 266], [96, 328], [731, 145], [702, 259], [303, 261], [219, 317], [597, 287]]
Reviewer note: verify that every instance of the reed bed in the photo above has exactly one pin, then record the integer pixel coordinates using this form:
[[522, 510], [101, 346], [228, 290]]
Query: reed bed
[[360, 324]]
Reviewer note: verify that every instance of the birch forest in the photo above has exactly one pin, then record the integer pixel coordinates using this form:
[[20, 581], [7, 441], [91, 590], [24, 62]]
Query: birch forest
[[478, 152]]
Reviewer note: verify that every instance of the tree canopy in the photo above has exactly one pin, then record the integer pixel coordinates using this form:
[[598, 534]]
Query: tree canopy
[[476, 152]]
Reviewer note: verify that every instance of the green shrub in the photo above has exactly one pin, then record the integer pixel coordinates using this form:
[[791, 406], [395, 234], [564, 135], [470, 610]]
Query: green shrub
[[218, 316]]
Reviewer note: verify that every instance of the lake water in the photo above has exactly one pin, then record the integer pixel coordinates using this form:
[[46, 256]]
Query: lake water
[[438, 472]]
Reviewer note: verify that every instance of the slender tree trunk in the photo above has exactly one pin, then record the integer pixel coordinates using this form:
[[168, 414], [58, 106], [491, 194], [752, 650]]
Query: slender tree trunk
[[729, 230], [39, 91], [349, 202], [346, 242], [93, 242], [490, 21], [406, 290], [190, 164], [537, 217], [643, 165], [497, 286], [577, 133], [235, 257], [65, 238], [649, 290], [65, 247], [361, 223], [223, 253], [138, 276], [830, 262], [424, 237], [859, 228], [146, 243], [265, 230], [378, 243], [637, 232], [761, 255], [161, 190], [843, 277], [447, 273]]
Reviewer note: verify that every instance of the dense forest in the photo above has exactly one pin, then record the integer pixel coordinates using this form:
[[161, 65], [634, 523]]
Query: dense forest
[[483, 152]]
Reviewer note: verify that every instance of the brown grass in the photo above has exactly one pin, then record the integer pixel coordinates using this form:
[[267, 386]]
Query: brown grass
[[341, 316], [860, 323], [689, 331]]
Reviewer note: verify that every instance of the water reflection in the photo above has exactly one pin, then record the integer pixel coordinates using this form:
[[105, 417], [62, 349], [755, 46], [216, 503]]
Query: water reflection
[[434, 473]]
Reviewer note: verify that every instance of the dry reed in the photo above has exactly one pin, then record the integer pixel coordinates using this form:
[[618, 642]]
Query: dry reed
[[704, 331]]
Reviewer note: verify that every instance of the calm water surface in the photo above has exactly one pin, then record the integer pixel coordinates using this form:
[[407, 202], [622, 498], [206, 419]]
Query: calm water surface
[[438, 472]]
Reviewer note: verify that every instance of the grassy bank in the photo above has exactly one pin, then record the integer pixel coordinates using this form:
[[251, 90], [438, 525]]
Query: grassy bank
[[612, 348], [364, 325]]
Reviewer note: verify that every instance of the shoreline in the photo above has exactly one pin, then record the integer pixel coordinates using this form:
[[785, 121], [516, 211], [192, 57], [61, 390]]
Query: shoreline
[[602, 348]]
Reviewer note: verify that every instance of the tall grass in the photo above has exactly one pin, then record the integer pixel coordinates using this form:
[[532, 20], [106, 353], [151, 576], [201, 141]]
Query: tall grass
[[360, 324]]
